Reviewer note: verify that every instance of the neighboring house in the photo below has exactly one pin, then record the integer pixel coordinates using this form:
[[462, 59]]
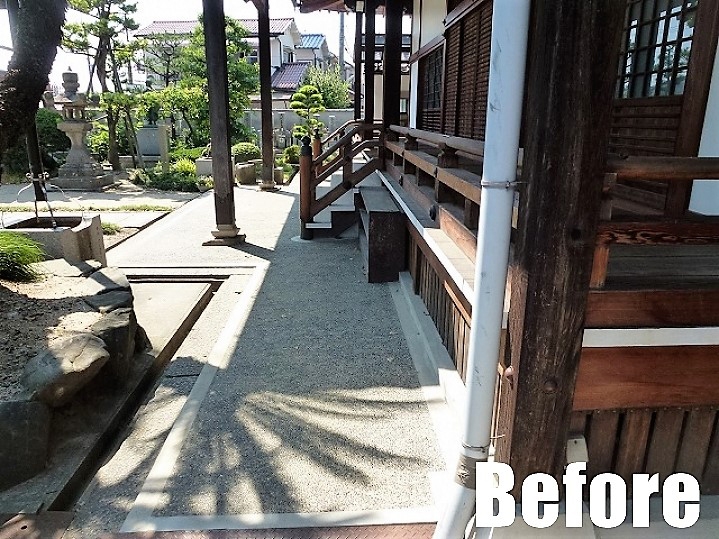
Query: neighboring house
[[291, 52]]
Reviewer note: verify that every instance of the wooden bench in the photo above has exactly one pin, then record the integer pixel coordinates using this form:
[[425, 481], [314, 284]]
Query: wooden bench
[[382, 234]]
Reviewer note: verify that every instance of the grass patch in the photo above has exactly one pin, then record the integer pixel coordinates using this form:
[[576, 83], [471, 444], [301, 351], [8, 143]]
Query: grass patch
[[17, 254], [110, 229], [14, 208]]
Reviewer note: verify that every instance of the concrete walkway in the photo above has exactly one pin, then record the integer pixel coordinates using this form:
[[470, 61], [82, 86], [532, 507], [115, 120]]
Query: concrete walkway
[[297, 399]]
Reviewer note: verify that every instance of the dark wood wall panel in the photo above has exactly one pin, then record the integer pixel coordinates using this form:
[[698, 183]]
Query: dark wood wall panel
[[653, 440], [645, 126], [450, 319]]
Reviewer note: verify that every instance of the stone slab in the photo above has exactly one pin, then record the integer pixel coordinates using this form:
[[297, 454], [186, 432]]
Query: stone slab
[[45, 525], [110, 301], [64, 268], [107, 280], [24, 435], [84, 183]]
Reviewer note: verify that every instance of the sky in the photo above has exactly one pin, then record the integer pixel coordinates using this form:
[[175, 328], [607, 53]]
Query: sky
[[322, 22]]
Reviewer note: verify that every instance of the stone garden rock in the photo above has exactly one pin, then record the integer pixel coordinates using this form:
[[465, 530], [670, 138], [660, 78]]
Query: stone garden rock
[[107, 280], [57, 374], [24, 435], [117, 330], [110, 301], [142, 341]]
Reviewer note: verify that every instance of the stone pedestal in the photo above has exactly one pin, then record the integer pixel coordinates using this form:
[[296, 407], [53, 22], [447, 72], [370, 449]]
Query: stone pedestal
[[80, 171], [148, 140]]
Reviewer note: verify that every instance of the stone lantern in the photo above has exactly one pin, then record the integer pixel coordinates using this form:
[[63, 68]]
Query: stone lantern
[[80, 171]]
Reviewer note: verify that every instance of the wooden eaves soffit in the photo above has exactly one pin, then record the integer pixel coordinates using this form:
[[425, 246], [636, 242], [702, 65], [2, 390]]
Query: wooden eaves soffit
[[308, 6]]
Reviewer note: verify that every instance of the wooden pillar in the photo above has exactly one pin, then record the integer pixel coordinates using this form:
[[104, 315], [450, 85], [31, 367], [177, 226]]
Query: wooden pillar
[[358, 66], [696, 96], [306, 190], [268, 150], [570, 83], [216, 55], [369, 50], [392, 64]]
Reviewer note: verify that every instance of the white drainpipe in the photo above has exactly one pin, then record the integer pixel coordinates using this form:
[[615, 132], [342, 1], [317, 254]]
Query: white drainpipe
[[510, 26]]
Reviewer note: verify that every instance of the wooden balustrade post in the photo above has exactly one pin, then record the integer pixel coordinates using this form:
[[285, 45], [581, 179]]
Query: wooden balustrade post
[[316, 144], [447, 157], [411, 143], [306, 190]]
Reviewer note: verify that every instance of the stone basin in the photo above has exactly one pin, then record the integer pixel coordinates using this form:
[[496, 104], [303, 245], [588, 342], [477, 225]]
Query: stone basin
[[75, 239]]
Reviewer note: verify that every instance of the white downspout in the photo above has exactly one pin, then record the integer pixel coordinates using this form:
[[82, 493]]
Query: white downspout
[[510, 26]]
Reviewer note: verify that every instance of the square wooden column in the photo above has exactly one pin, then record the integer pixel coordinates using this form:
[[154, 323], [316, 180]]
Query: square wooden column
[[392, 64], [268, 150], [570, 83], [369, 50], [217, 82], [358, 66]]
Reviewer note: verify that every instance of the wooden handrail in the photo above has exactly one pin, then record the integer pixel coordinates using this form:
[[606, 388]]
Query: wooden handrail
[[335, 165], [341, 130], [461, 144], [342, 141], [664, 168]]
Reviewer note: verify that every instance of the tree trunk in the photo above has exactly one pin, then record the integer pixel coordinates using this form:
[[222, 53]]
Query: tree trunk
[[39, 32]]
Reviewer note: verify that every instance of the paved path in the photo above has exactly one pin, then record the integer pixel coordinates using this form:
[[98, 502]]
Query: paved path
[[293, 402]]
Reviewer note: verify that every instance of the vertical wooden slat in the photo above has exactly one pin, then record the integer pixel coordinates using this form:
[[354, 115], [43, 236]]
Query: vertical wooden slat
[[601, 442], [695, 441], [710, 478], [633, 443], [369, 50], [664, 442]]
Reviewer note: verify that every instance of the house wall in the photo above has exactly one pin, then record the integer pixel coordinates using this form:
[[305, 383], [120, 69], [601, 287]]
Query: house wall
[[705, 193]]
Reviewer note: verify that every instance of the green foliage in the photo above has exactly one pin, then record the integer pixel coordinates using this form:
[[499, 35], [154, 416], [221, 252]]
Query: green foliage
[[98, 141], [291, 154], [306, 102], [188, 96], [244, 151], [184, 167], [334, 90], [168, 181], [110, 229], [51, 140], [186, 153], [17, 253]]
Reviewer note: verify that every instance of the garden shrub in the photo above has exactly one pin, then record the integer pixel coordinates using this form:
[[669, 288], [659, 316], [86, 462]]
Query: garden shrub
[[291, 154], [186, 153], [244, 151], [184, 166], [17, 253]]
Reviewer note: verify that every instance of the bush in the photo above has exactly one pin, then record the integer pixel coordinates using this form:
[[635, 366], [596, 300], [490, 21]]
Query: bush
[[17, 253], [244, 151], [186, 153], [184, 167], [51, 140], [291, 154]]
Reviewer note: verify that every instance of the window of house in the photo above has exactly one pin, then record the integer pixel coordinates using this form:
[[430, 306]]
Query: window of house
[[656, 47]]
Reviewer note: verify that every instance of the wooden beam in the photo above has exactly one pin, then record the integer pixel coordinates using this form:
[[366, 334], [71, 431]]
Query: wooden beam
[[647, 377], [696, 95], [265, 57], [658, 233], [392, 68], [369, 50], [217, 81], [670, 169], [570, 83], [358, 66]]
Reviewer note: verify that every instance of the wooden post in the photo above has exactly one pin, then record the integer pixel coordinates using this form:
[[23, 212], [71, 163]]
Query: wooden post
[[216, 55], [369, 50], [268, 150], [358, 66], [696, 96], [316, 144], [306, 188], [570, 84], [392, 68]]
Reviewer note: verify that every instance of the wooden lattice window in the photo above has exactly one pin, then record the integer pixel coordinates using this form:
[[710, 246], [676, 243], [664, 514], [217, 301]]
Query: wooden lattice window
[[656, 47], [466, 82], [430, 99]]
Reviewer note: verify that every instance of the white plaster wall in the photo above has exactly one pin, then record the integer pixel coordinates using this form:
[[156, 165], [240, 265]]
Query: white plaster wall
[[276, 52], [705, 193], [432, 23], [378, 97]]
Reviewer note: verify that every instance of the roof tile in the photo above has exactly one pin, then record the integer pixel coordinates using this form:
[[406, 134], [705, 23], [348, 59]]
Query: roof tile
[[289, 76]]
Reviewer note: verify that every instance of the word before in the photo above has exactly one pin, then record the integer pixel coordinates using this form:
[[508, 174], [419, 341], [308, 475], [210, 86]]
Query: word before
[[607, 498]]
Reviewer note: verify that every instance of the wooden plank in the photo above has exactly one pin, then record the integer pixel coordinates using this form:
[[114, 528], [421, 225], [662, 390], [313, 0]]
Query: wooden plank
[[369, 50], [453, 226], [710, 478], [632, 444], [671, 169], [695, 441], [462, 181], [658, 233], [265, 57], [664, 443], [578, 423], [652, 308], [647, 376], [392, 69], [358, 66], [568, 111], [601, 441]]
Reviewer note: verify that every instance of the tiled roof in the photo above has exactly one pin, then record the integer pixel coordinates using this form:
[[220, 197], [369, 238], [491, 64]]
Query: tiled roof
[[289, 76], [312, 41], [277, 26]]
